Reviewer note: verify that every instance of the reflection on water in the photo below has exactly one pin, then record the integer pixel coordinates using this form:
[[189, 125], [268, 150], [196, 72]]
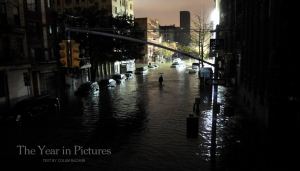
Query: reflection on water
[[142, 122]]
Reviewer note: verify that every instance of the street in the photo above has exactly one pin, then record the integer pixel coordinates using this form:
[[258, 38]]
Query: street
[[137, 125]]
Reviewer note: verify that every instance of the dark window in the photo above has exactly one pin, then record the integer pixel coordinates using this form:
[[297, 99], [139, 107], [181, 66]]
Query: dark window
[[36, 54], [33, 30], [2, 84], [19, 44], [16, 15], [68, 10], [103, 0], [45, 83], [31, 5], [52, 55], [2, 14], [32, 53], [77, 2], [4, 47], [68, 2]]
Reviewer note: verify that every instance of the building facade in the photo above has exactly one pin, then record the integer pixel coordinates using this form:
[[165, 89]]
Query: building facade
[[151, 30], [114, 7], [258, 56], [14, 61], [41, 31]]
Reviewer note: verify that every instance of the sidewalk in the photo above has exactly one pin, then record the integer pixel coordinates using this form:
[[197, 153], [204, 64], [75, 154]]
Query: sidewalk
[[241, 138]]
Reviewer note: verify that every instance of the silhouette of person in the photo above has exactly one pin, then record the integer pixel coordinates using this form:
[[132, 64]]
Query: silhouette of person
[[160, 79]]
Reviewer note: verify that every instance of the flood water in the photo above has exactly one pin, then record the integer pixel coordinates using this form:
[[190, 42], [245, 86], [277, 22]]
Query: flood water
[[137, 125]]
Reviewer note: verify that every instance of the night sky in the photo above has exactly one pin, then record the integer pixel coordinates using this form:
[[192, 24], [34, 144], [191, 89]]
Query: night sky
[[168, 11]]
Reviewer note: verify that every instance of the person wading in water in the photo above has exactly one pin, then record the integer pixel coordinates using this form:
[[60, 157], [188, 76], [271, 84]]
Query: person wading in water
[[160, 79]]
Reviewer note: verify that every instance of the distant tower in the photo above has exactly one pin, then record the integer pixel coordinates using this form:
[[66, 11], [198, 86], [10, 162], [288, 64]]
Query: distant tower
[[185, 19], [185, 25]]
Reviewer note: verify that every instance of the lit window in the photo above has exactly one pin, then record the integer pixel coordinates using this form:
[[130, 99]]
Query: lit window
[[31, 5], [50, 29]]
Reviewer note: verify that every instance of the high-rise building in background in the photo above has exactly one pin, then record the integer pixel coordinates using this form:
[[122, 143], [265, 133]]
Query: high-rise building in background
[[184, 34], [185, 19]]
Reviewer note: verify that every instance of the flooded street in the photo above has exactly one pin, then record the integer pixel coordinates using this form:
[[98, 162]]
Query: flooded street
[[138, 125]]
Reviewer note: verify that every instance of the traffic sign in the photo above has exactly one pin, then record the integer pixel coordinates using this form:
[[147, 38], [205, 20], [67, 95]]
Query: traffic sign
[[216, 82], [216, 44]]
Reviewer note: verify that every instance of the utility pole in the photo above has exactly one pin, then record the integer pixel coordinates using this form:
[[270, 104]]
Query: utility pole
[[214, 112], [199, 50]]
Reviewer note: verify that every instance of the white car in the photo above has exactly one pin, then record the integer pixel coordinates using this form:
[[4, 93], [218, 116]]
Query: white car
[[151, 66], [105, 83], [177, 60], [119, 78], [192, 71], [129, 74], [195, 66], [175, 65]]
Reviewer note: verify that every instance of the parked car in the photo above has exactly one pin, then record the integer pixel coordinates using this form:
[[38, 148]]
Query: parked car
[[105, 83], [178, 64], [177, 60], [151, 66], [195, 66], [141, 70], [129, 74], [87, 89], [155, 65], [31, 107], [192, 71], [175, 65], [119, 78]]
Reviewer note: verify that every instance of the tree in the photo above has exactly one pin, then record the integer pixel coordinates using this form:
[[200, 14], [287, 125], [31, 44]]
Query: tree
[[165, 52], [202, 27], [102, 49]]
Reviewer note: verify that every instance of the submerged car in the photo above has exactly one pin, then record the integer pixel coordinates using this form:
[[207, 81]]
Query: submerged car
[[195, 66], [141, 70], [119, 78], [175, 65], [192, 71], [105, 83], [151, 66], [129, 74], [87, 89], [31, 107]]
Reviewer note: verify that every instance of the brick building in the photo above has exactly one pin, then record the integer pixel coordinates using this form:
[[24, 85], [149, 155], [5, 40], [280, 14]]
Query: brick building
[[258, 54]]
